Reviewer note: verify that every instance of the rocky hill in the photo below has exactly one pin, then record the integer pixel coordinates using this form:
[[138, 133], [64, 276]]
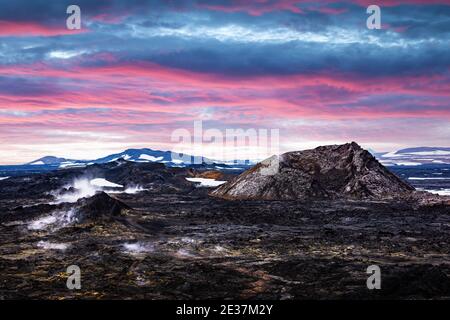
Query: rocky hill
[[327, 172]]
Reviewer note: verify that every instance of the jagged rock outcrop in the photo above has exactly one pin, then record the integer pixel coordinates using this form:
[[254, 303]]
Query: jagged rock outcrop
[[327, 172]]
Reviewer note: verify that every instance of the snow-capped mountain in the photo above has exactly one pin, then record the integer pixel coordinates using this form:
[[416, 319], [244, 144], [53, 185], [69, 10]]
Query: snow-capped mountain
[[138, 155], [416, 156], [49, 160], [404, 157], [149, 155]]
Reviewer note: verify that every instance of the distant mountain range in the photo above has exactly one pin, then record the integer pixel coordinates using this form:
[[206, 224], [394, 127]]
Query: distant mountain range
[[415, 156], [139, 155], [410, 156], [405, 157]]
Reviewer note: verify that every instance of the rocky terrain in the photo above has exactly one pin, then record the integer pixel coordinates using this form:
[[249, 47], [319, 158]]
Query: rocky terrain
[[143, 231], [328, 172]]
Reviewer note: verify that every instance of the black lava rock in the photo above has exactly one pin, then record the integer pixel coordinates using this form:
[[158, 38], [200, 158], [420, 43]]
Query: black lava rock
[[327, 172]]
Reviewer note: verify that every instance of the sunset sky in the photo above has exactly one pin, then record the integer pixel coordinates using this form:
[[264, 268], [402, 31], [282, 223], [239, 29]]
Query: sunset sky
[[137, 70]]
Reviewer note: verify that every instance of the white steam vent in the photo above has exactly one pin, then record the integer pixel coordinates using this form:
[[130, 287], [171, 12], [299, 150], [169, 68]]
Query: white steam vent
[[85, 188]]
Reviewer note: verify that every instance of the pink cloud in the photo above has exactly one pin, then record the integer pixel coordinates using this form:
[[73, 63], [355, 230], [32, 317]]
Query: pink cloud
[[261, 7], [27, 29], [136, 86]]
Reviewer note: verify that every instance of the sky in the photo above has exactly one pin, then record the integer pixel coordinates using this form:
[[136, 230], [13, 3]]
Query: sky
[[137, 70]]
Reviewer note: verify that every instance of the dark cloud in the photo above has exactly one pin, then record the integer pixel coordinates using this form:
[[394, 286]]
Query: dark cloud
[[324, 38], [26, 87]]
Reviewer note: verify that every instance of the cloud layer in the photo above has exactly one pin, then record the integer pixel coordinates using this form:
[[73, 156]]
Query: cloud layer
[[140, 69]]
